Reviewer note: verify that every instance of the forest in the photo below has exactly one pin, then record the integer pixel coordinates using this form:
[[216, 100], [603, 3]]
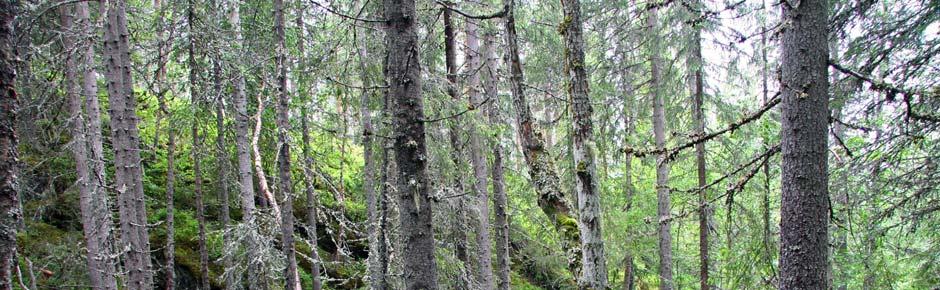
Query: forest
[[469, 144]]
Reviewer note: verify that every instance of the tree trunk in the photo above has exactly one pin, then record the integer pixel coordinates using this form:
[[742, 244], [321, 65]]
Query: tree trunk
[[593, 263], [404, 89], [478, 159], [459, 228], [242, 144], [662, 166], [309, 191], [222, 157], [501, 219], [696, 64], [126, 142], [9, 197], [376, 236], [96, 223], [804, 232], [629, 119], [541, 169], [164, 112], [285, 186], [197, 148]]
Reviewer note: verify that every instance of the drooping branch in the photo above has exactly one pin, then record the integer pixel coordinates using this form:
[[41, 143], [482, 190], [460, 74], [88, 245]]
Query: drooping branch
[[891, 91], [673, 151]]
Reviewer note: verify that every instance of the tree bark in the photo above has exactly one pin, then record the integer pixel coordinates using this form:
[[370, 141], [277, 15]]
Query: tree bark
[[593, 260], [242, 145], [222, 157], [459, 228], [285, 186], [537, 158], [696, 64], [404, 89], [96, 222], [9, 197], [376, 236], [126, 142], [804, 232], [629, 125], [501, 219], [662, 166], [478, 159], [164, 112]]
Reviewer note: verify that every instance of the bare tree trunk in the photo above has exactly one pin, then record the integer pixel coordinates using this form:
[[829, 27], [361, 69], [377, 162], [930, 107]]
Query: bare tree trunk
[[245, 182], [285, 186], [404, 89], [478, 159], [126, 142], [593, 260], [96, 223], [662, 166], [804, 232], [541, 169]]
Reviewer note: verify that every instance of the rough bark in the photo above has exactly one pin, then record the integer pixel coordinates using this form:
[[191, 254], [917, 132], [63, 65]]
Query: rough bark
[[593, 261], [285, 185], [662, 164], [311, 194], [96, 222], [128, 173], [477, 158], [404, 89], [242, 144], [804, 232], [9, 197], [541, 169]]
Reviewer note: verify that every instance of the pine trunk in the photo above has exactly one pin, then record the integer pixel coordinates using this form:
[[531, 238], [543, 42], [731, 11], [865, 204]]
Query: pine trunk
[[804, 221], [404, 90]]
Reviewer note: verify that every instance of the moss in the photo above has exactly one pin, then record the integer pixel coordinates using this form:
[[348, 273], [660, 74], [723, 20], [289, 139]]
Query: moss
[[563, 26]]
